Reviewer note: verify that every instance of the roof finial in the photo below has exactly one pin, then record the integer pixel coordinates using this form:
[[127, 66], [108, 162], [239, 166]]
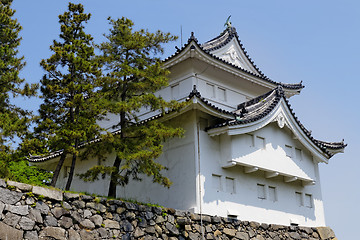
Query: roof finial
[[228, 23]]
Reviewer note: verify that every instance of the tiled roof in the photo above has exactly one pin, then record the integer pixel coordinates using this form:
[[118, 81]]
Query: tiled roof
[[193, 93], [196, 93], [260, 107], [220, 41]]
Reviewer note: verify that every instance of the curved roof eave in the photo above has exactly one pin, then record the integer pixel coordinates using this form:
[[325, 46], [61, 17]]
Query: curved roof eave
[[278, 106], [193, 49]]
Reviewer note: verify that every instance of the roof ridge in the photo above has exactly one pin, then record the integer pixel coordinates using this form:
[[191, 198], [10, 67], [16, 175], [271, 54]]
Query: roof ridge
[[248, 112]]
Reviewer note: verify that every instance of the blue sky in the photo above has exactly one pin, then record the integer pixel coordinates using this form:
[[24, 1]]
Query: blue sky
[[316, 42]]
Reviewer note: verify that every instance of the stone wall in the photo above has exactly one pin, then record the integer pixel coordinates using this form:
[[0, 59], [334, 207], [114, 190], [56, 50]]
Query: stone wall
[[31, 212]]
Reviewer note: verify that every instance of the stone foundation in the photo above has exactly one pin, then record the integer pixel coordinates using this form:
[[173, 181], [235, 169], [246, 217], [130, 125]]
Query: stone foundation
[[31, 212]]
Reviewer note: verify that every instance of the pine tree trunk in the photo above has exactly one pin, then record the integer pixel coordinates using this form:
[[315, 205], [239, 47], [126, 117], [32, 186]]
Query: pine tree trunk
[[58, 168], [113, 179], [71, 174], [73, 115]]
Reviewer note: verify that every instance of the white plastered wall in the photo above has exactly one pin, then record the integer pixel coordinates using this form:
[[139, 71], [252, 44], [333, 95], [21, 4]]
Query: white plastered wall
[[238, 192]]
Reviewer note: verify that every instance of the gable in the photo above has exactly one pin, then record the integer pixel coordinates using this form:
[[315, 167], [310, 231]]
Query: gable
[[234, 54]]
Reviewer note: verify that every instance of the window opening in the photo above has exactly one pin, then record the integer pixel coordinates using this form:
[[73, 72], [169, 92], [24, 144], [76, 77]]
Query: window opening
[[216, 182], [222, 94], [308, 200], [298, 154], [230, 185], [261, 191], [210, 88], [175, 91], [272, 194], [299, 200], [260, 142], [288, 151]]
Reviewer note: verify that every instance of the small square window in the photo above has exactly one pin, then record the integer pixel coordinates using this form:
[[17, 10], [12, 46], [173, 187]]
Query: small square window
[[272, 194], [216, 182], [210, 88], [175, 91], [222, 94], [308, 200], [230, 185], [298, 154], [250, 140], [299, 200], [288, 151], [261, 191], [260, 142]]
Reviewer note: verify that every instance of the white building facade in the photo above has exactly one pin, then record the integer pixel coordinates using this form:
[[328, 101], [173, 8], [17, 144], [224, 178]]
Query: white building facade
[[245, 154]]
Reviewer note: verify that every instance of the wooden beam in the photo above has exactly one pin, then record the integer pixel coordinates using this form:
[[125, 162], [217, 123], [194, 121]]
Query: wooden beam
[[250, 169], [290, 179], [306, 183], [229, 164], [271, 174]]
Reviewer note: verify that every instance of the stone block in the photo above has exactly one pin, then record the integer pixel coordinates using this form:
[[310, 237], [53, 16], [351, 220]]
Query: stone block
[[65, 222], [21, 186], [242, 235], [74, 235], [2, 207], [59, 211], [26, 223], [206, 218], [8, 232], [11, 219], [31, 235], [42, 207], [172, 228], [127, 226], [20, 210], [325, 232], [51, 221], [2, 183], [229, 232], [87, 224], [111, 224], [183, 220], [295, 235], [97, 220], [35, 215], [52, 232], [48, 193], [97, 206], [9, 197], [88, 235], [131, 206], [71, 196]]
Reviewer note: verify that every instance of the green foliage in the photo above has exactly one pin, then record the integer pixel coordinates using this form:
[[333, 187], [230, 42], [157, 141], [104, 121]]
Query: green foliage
[[20, 171], [41, 197], [30, 194], [71, 106], [132, 74], [14, 121]]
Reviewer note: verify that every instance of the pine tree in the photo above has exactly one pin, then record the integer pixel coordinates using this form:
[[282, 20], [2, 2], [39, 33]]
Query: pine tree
[[70, 109], [14, 121], [133, 73]]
